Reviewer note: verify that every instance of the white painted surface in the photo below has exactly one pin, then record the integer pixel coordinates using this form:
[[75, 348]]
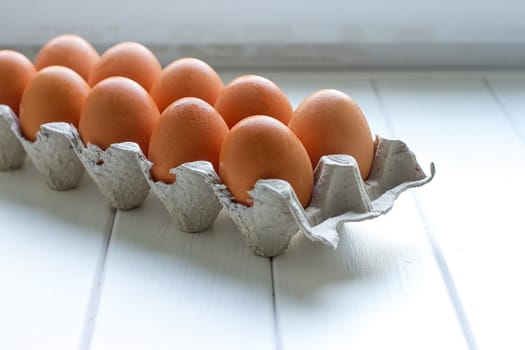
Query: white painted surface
[[165, 289], [475, 206], [50, 245], [381, 289]]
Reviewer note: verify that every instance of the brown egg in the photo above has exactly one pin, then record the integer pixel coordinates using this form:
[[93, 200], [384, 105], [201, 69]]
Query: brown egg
[[186, 77], [330, 122], [188, 130], [261, 147], [128, 59], [70, 51], [118, 110], [250, 95], [16, 70], [54, 94]]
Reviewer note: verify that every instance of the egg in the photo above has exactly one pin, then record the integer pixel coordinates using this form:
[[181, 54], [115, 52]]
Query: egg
[[70, 51], [330, 122], [54, 94], [186, 77], [249, 95], [261, 147], [188, 130], [16, 70], [128, 59], [118, 109]]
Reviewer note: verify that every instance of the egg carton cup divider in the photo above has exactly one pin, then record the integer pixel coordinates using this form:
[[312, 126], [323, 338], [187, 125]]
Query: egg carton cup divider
[[190, 200], [116, 172], [52, 153], [339, 196], [12, 153], [268, 225]]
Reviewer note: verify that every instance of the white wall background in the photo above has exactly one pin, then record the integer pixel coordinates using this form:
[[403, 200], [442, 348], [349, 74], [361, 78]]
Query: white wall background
[[272, 32]]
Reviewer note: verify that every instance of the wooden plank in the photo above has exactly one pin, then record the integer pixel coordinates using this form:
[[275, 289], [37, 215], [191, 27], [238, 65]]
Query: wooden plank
[[51, 244], [475, 207], [165, 289], [381, 288]]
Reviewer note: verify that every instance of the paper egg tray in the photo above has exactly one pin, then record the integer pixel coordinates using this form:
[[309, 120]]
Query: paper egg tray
[[51, 153], [122, 173]]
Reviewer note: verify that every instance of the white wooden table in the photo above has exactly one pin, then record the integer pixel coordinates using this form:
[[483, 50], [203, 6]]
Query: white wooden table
[[443, 270]]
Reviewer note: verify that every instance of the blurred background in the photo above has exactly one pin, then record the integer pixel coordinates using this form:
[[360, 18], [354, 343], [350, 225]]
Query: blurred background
[[295, 33]]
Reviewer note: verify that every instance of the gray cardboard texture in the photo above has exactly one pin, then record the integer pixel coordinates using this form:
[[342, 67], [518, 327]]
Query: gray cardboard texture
[[116, 172], [52, 154], [339, 196], [395, 169], [12, 154], [268, 225], [54, 157], [190, 200]]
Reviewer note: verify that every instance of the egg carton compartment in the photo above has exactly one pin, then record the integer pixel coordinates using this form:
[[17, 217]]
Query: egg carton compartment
[[340, 196], [115, 171], [268, 225], [190, 200], [52, 153], [12, 153]]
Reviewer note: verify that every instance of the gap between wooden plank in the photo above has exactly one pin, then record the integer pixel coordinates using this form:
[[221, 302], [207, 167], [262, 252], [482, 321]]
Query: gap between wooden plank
[[278, 340], [445, 271], [504, 110], [96, 289], [166, 289], [436, 249]]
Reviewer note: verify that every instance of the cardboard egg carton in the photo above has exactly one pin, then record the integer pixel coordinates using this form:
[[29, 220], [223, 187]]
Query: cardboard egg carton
[[122, 174], [12, 154], [191, 199], [115, 171], [60, 157], [51, 153], [339, 196]]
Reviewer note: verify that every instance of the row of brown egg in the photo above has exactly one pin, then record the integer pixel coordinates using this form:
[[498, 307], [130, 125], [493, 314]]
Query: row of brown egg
[[247, 129]]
